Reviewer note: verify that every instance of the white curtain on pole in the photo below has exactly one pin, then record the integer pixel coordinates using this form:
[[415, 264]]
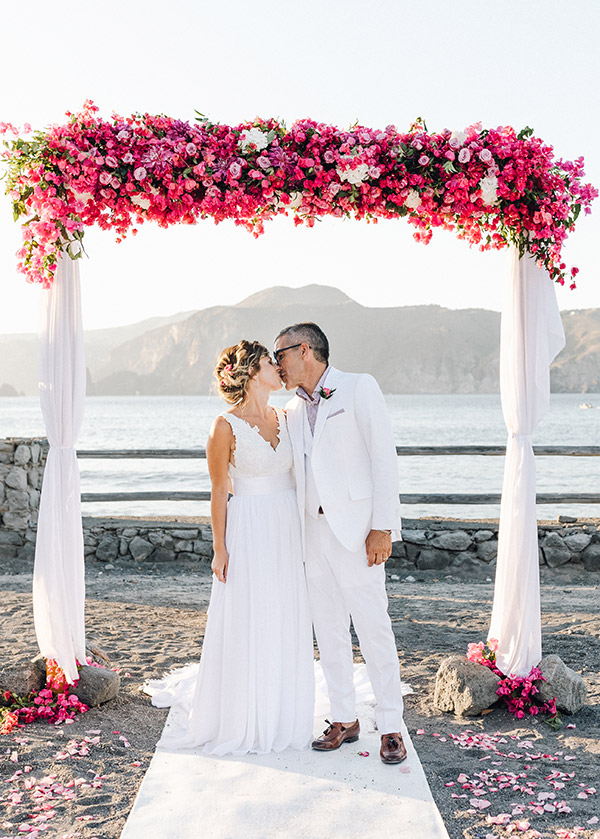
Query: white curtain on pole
[[531, 337], [58, 577]]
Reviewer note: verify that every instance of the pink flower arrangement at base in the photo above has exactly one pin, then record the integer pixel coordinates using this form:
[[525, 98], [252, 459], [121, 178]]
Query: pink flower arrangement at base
[[52, 703], [518, 692], [493, 187]]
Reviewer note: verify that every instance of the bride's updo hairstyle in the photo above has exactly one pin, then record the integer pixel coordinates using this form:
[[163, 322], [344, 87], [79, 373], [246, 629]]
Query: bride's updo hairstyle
[[235, 367]]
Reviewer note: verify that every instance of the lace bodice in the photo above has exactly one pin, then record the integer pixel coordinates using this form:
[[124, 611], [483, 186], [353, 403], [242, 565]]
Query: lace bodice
[[254, 456]]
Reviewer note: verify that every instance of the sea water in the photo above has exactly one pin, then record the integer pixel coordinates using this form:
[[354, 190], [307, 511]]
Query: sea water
[[172, 422]]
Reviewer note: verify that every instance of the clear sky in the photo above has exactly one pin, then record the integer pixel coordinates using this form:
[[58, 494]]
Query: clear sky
[[378, 61]]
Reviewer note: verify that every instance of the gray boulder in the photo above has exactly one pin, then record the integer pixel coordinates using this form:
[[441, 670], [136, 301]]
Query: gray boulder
[[483, 535], [140, 549], [96, 685], [487, 551], [464, 687], [591, 558], [416, 537], [432, 559], [577, 542], [562, 684], [452, 540], [555, 551], [108, 549], [162, 555]]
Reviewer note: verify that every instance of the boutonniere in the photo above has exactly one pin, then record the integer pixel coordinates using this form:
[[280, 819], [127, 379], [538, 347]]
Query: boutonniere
[[326, 392]]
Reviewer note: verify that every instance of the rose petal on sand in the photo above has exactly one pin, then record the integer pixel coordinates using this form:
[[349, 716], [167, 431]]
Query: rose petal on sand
[[420, 731]]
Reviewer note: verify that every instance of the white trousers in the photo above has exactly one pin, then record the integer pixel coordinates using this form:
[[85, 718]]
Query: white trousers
[[341, 587]]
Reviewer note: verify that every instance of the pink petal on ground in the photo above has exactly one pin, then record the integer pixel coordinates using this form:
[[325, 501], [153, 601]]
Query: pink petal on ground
[[420, 731], [462, 778], [405, 770], [137, 763], [570, 757], [362, 754], [479, 803], [593, 820]]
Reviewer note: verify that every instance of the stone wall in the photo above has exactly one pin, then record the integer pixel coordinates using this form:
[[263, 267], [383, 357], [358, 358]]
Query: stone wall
[[429, 544], [21, 468]]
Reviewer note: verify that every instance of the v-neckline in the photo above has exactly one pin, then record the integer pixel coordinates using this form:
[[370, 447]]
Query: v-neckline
[[256, 428]]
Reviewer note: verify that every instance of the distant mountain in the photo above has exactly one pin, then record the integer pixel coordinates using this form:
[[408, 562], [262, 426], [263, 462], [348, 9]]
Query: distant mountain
[[19, 354], [409, 349]]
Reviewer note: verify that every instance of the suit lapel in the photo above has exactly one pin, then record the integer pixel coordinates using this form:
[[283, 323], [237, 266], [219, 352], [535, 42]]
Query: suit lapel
[[325, 405]]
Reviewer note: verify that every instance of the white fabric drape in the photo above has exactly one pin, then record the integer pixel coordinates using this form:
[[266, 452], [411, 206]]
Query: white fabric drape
[[58, 577], [531, 336]]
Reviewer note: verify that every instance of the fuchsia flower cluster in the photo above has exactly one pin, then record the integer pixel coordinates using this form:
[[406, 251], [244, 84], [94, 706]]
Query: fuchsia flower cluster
[[53, 703], [518, 692], [493, 187]]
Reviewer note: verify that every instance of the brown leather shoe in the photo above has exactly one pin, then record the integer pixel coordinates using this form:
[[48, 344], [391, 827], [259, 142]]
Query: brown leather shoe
[[335, 734], [392, 749]]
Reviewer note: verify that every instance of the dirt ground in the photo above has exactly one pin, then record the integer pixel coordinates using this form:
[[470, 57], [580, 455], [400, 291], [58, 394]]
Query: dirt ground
[[80, 780]]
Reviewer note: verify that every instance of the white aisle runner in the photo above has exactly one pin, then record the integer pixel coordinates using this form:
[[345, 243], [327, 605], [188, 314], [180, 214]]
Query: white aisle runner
[[290, 795]]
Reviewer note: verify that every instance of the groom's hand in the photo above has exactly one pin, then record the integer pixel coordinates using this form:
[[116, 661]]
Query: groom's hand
[[379, 547]]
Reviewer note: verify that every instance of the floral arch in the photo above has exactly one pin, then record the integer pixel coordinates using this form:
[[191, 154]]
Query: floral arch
[[495, 188]]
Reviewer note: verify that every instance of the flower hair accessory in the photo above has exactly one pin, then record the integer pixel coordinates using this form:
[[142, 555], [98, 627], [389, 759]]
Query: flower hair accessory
[[326, 392]]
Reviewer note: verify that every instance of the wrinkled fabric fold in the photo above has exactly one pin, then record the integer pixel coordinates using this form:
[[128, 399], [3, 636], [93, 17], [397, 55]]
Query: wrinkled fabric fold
[[58, 577], [531, 337]]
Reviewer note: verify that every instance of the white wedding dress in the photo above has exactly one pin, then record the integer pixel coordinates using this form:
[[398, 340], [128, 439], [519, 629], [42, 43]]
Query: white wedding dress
[[254, 688]]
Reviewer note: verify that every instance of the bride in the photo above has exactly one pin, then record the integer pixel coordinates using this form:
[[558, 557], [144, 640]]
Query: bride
[[254, 690]]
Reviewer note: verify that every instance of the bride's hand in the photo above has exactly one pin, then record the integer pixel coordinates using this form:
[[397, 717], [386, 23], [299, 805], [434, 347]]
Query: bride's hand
[[219, 564]]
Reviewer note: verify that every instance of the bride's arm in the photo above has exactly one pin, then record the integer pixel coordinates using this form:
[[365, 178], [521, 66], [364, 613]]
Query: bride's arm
[[218, 454]]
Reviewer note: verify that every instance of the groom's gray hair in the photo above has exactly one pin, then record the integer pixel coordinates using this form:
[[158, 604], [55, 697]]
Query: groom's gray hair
[[311, 334]]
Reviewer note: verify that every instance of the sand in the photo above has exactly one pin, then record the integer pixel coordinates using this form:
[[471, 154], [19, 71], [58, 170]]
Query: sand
[[149, 620]]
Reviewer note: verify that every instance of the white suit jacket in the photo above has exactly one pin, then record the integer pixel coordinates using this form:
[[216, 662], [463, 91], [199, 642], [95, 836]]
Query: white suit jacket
[[353, 458]]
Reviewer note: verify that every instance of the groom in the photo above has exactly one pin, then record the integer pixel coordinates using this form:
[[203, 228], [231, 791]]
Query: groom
[[347, 480]]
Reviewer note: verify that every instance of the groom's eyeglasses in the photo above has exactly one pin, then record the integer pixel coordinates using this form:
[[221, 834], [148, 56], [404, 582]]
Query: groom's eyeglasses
[[278, 353]]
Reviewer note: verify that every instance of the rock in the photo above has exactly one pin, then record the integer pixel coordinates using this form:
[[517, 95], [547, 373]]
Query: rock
[[562, 684], [129, 532], [34, 478], [140, 549], [487, 551], [203, 548], [191, 533], [9, 538], [185, 556], [432, 559], [577, 542], [398, 550], [89, 550], [452, 540], [8, 552], [107, 549], [591, 558], [162, 540], [35, 452], [555, 551], [184, 545], [483, 535], [16, 478], [412, 552], [23, 678], [22, 455], [464, 558], [416, 537], [162, 555], [27, 553], [567, 519], [18, 500], [96, 685], [16, 521], [206, 533], [464, 687]]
